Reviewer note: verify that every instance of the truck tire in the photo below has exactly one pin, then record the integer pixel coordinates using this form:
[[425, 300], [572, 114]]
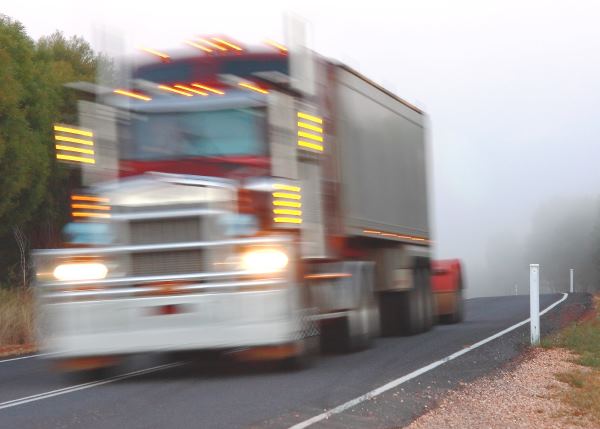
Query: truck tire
[[408, 312], [356, 330]]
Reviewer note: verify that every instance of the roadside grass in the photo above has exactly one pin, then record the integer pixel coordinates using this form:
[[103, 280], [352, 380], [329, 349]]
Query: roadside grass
[[582, 338], [16, 317]]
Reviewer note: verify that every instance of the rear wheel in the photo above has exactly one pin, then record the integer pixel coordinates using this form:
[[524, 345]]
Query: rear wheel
[[459, 312], [408, 312]]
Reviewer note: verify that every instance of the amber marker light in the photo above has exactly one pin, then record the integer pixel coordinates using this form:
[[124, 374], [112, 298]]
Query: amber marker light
[[187, 88], [214, 45], [276, 45], [253, 88], [198, 45], [157, 53], [176, 91], [132, 94], [226, 43], [208, 88]]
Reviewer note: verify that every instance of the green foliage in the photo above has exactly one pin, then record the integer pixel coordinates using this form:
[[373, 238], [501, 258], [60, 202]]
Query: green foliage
[[33, 187]]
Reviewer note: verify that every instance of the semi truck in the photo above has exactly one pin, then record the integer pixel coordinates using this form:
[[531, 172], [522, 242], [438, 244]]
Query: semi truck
[[240, 199]]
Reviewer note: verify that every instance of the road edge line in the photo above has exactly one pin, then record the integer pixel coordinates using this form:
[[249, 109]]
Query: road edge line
[[83, 386], [401, 380]]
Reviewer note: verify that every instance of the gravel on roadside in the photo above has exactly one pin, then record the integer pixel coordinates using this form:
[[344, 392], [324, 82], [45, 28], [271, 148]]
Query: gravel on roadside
[[524, 396]]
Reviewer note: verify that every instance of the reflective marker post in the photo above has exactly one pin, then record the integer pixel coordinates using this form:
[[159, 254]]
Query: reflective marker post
[[571, 276], [534, 303]]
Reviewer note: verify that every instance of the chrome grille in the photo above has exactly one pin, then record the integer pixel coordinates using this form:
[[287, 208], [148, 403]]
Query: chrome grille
[[155, 231], [165, 263]]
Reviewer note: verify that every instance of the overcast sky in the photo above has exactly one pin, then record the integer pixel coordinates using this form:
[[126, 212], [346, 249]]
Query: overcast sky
[[512, 88]]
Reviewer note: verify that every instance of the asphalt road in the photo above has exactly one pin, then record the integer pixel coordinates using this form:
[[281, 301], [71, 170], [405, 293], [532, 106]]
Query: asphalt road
[[193, 395]]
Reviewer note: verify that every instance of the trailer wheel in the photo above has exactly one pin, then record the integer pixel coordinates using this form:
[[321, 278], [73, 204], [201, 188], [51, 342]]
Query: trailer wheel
[[408, 312]]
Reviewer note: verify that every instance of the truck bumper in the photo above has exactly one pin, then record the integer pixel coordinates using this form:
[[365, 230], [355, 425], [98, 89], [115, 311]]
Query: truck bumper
[[167, 323]]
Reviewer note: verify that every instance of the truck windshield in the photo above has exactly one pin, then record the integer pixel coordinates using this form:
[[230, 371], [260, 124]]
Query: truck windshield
[[174, 135]]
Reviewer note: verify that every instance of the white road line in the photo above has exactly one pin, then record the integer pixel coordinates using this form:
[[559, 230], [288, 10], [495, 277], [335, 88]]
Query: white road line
[[395, 383], [71, 389], [26, 357]]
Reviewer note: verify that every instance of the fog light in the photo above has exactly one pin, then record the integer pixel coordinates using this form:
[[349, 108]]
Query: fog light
[[80, 271]]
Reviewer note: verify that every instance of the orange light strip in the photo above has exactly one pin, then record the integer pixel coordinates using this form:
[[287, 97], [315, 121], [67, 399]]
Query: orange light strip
[[287, 212], [177, 91], [293, 204], [310, 136], [310, 117], [208, 88], [132, 94], [87, 214], [157, 53], [310, 145], [276, 45], [327, 276], [253, 88], [90, 207], [73, 131], [226, 43], [74, 149], [389, 234], [74, 140], [199, 46], [89, 198], [187, 88], [287, 220], [214, 45], [75, 158]]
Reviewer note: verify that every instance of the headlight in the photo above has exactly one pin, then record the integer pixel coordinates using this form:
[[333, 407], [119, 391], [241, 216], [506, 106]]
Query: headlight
[[80, 271], [264, 260]]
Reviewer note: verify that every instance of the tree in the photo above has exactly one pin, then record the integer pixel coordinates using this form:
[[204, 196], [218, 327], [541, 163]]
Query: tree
[[33, 187]]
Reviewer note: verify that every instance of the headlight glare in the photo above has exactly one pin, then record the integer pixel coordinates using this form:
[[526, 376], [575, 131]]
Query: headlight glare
[[80, 271], [264, 260]]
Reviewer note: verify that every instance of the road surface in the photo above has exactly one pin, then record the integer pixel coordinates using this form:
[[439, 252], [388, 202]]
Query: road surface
[[190, 395]]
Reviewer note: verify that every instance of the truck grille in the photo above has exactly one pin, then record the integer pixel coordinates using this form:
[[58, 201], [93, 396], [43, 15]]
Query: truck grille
[[165, 263], [156, 231]]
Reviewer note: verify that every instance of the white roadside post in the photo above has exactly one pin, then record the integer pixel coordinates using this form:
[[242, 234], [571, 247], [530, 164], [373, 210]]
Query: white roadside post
[[571, 276], [534, 302]]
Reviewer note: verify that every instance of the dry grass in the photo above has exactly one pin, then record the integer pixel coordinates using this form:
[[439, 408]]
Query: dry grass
[[16, 317], [583, 339]]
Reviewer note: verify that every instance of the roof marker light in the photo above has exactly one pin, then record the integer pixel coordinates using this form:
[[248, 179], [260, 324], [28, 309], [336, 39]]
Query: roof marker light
[[198, 45], [157, 53], [226, 43], [214, 45], [177, 91], [208, 88], [132, 94], [187, 88], [276, 45], [253, 88]]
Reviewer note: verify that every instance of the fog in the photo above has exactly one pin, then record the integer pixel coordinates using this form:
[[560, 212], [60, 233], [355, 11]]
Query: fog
[[512, 93]]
